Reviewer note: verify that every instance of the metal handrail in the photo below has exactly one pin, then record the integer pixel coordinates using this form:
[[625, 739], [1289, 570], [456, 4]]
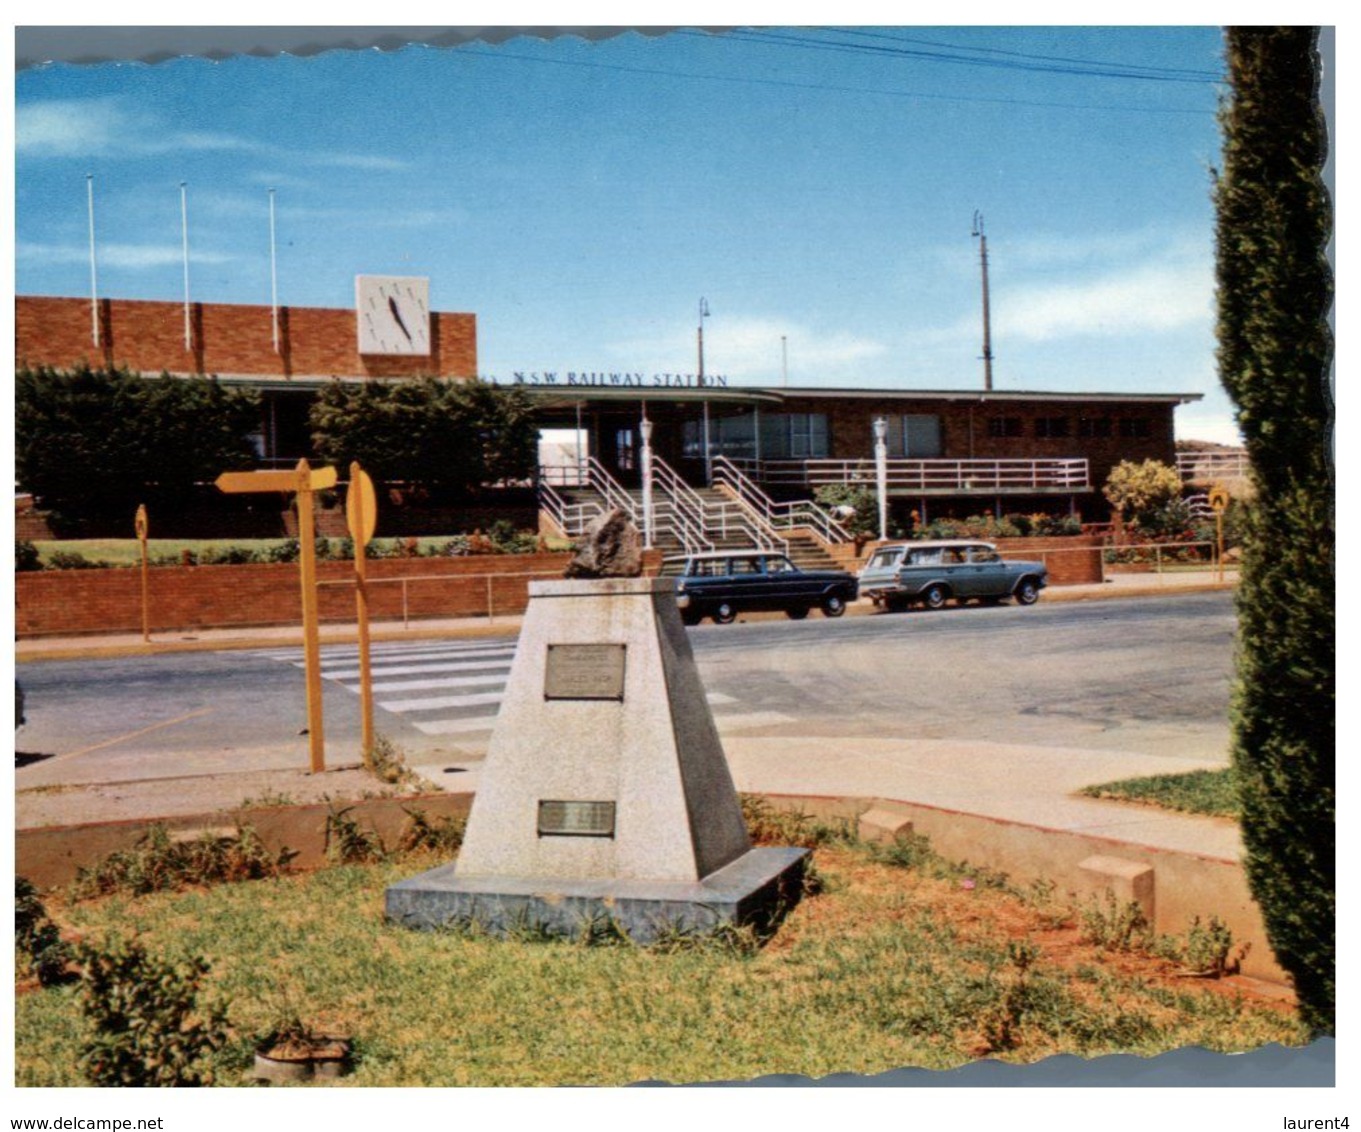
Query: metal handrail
[[778, 516], [722, 517], [939, 475]]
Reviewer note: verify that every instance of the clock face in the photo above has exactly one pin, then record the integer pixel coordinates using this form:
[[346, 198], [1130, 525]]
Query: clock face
[[393, 314]]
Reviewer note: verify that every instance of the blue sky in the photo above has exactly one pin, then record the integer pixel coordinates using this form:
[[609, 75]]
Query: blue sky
[[815, 185]]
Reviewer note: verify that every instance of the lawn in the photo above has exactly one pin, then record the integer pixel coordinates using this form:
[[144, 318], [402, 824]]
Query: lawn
[[899, 960], [1196, 792]]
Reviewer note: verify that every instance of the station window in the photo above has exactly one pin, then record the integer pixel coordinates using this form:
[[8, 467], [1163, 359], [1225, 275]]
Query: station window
[[1004, 426], [1094, 426], [1134, 427], [916, 436], [1051, 426]]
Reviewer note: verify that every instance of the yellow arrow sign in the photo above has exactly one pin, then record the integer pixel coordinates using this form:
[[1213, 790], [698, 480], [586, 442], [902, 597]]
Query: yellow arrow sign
[[1219, 498], [236, 482]]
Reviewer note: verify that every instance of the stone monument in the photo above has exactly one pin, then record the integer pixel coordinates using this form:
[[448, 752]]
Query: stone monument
[[605, 792]]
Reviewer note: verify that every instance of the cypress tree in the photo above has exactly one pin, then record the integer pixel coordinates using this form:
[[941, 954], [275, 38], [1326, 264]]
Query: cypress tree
[[1275, 352]]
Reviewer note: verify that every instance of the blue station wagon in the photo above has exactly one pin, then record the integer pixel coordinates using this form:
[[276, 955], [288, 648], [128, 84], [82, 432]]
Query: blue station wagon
[[722, 584], [933, 573]]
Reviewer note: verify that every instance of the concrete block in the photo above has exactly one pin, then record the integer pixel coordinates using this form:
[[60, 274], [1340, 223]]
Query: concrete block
[[879, 824], [1127, 880]]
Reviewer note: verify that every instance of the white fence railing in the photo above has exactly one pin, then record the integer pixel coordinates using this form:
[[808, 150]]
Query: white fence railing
[[1206, 467], [1069, 474]]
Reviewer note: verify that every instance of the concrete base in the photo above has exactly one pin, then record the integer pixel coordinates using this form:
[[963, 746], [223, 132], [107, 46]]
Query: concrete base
[[757, 888]]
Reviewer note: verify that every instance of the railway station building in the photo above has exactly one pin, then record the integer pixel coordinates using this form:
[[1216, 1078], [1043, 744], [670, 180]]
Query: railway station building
[[948, 452]]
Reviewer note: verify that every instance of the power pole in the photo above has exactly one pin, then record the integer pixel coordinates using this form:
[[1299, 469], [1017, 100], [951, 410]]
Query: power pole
[[987, 324]]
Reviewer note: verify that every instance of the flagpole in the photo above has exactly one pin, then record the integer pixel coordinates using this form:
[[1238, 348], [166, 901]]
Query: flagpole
[[273, 278], [94, 279], [184, 230]]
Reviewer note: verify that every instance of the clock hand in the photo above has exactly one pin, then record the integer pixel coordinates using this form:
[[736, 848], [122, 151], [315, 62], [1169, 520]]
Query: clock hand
[[397, 316]]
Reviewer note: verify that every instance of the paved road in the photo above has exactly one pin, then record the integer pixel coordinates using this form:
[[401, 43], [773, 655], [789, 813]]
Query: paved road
[[1130, 676]]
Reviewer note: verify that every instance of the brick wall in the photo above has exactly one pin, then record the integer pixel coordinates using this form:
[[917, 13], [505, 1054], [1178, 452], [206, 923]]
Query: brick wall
[[965, 434], [61, 602], [148, 337], [1072, 560], [73, 602]]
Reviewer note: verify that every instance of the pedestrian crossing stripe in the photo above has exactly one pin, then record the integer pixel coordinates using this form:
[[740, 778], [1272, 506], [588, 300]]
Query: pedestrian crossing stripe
[[480, 667]]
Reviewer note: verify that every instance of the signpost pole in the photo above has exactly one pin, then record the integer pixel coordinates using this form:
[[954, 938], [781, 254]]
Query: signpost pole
[[140, 526], [311, 635], [1219, 501], [302, 481], [361, 514]]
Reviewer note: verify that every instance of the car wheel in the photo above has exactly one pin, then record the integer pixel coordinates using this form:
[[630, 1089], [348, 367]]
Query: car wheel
[[724, 613], [1027, 592], [797, 614], [935, 597], [833, 606]]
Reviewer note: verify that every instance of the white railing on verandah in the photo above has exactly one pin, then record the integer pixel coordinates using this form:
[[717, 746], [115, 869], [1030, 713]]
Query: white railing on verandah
[[1070, 474]]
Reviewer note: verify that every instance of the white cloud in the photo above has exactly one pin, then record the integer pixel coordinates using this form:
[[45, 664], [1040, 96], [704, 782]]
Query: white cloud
[[750, 349], [101, 127], [1151, 298], [130, 257]]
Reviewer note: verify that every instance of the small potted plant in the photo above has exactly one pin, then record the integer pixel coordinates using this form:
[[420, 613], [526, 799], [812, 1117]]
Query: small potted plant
[[294, 1051]]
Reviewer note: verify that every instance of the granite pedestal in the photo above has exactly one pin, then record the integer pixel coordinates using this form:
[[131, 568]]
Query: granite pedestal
[[605, 792]]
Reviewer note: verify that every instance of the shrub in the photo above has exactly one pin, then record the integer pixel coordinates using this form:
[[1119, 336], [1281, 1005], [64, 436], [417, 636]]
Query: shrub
[[422, 834], [864, 523], [1275, 288], [41, 949], [347, 843], [1139, 490], [26, 556], [156, 863], [74, 560], [146, 1024]]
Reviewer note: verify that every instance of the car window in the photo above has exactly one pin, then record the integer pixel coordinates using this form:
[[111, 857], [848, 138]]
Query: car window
[[746, 566], [926, 557], [983, 554], [708, 568], [778, 566], [885, 558], [952, 555]]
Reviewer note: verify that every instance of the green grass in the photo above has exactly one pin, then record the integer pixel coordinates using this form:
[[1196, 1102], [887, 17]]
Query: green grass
[[888, 965], [127, 551], [1197, 792]]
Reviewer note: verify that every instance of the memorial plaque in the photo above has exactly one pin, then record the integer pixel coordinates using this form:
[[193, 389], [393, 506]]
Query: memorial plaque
[[576, 819], [584, 672]]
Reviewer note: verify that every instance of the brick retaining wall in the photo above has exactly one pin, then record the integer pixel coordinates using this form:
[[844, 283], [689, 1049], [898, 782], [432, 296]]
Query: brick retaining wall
[[72, 602]]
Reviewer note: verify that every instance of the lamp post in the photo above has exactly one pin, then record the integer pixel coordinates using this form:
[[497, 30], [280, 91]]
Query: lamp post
[[645, 429], [881, 472], [708, 457]]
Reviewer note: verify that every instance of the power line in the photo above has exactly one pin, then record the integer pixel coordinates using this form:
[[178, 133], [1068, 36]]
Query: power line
[[1187, 73], [746, 80]]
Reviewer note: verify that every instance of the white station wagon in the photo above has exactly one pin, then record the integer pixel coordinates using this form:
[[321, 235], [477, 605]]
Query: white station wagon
[[932, 573]]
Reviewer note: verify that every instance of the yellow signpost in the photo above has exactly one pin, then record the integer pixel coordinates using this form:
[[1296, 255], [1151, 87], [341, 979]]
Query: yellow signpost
[[303, 481], [1219, 502], [139, 524], [361, 516]]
